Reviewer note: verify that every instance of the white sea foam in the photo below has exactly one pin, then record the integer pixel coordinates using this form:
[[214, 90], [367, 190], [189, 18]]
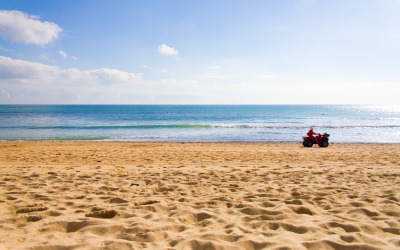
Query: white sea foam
[[198, 123]]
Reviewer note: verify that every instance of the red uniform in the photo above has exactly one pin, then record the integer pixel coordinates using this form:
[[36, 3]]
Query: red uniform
[[311, 135]]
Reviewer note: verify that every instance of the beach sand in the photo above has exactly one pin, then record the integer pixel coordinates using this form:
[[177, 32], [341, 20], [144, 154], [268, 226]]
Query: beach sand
[[133, 195]]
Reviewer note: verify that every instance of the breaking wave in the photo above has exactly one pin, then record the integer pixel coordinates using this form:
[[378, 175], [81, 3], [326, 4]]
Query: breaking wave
[[191, 126]]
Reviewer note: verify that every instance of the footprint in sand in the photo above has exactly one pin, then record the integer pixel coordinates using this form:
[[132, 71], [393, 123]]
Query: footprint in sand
[[118, 200], [105, 214], [33, 218], [30, 209]]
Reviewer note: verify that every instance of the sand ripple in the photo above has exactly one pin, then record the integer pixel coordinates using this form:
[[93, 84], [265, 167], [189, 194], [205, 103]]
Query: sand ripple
[[209, 196]]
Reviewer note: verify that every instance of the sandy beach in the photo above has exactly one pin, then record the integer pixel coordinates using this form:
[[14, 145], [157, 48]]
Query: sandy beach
[[132, 195]]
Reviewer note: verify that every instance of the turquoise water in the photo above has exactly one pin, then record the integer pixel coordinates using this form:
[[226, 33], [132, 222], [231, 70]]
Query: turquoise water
[[211, 123]]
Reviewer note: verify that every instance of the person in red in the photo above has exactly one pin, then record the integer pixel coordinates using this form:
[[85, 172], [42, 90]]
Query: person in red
[[311, 134]]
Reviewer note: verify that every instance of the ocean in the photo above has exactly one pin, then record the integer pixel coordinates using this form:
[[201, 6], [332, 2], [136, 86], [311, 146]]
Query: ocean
[[200, 123]]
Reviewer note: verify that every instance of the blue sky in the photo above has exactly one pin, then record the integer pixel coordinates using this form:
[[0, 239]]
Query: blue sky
[[200, 52]]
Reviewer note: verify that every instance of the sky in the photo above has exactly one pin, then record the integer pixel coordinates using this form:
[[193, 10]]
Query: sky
[[200, 52]]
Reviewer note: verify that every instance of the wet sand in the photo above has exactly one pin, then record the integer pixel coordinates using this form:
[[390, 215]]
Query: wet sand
[[115, 195]]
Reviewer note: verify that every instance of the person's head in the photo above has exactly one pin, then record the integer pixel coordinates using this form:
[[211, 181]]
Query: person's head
[[311, 128]]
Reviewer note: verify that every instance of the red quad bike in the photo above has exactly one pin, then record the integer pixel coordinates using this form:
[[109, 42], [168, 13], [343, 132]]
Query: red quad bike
[[321, 140]]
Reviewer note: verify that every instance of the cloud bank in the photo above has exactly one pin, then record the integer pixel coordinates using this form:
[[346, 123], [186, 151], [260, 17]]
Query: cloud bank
[[25, 82], [18, 26], [19, 71], [163, 49]]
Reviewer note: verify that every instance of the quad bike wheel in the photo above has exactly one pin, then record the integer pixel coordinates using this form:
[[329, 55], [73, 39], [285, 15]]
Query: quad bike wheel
[[308, 143], [324, 143]]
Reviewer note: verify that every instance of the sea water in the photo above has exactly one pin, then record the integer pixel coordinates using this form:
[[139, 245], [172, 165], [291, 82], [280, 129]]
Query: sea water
[[200, 123]]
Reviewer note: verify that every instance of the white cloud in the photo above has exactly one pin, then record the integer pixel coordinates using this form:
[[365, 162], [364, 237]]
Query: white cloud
[[23, 71], [164, 71], [19, 71], [266, 76], [163, 49], [145, 66], [4, 93], [212, 75], [177, 83], [21, 27], [62, 53], [45, 57], [6, 50], [106, 76], [31, 82]]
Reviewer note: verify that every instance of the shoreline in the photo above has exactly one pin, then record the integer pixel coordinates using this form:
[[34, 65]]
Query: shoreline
[[138, 141], [189, 195]]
